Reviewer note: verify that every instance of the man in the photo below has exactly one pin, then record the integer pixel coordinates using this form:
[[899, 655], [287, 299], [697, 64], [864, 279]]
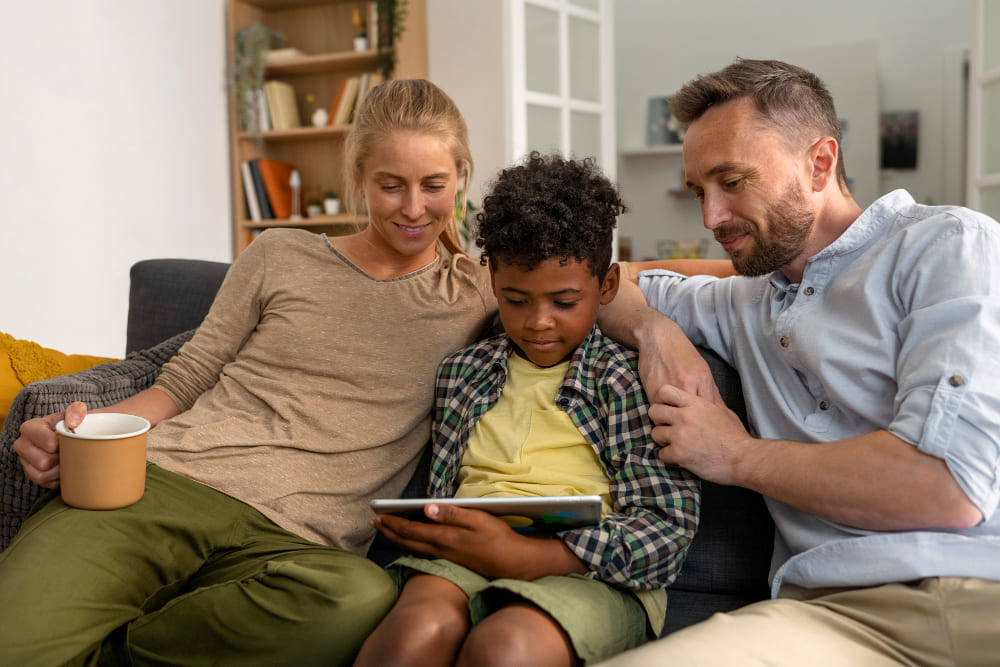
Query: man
[[866, 343]]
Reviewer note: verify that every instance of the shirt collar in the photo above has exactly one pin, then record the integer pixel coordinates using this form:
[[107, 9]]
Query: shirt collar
[[859, 234]]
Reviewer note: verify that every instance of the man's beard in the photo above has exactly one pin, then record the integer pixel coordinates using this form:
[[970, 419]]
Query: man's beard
[[789, 222]]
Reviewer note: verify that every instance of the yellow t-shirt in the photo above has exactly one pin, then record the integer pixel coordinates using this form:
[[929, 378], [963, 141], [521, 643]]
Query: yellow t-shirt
[[525, 445]]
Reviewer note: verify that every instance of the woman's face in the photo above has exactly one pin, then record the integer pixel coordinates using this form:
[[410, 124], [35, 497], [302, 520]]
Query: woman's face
[[409, 183]]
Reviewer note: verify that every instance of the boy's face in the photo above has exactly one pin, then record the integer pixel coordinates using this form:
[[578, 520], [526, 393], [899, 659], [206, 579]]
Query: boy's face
[[549, 310]]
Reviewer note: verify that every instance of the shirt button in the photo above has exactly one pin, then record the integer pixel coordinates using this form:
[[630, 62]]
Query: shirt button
[[784, 341], [956, 380], [809, 291], [824, 404]]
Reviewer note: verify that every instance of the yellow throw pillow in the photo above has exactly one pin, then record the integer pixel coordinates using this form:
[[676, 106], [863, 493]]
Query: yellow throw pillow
[[24, 361]]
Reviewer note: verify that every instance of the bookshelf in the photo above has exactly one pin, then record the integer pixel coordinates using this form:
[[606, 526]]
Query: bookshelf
[[324, 31]]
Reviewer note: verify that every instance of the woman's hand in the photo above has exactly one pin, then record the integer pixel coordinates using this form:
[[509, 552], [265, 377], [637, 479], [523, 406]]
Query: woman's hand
[[481, 542], [38, 446]]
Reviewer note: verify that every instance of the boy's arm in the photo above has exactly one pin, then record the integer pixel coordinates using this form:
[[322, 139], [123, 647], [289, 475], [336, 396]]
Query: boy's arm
[[642, 543]]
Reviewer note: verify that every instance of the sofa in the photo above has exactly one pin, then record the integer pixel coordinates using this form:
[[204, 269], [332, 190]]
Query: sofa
[[727, 563]]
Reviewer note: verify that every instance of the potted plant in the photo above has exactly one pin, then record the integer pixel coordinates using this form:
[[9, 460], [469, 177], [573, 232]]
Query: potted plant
[[248, 71], [331, 204]]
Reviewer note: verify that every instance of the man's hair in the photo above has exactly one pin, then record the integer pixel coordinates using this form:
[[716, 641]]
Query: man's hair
[[792, 100], [549, 207]]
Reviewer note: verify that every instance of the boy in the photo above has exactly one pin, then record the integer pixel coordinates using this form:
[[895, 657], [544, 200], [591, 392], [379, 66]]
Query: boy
[[550, 407]]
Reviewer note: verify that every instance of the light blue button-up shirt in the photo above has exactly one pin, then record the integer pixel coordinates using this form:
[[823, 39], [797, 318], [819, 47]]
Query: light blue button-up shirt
[[895, 326]]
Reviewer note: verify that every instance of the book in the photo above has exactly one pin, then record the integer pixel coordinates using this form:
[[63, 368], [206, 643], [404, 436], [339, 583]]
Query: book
[[336, 101], [258, 185], [372, 28], [276, 176], [250, 191], [346, 106], [277, 55], [281, 102], [363, 87], [263, 113]]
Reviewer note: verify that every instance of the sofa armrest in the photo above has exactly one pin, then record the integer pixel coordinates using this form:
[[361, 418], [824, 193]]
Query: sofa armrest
[[98, 387]]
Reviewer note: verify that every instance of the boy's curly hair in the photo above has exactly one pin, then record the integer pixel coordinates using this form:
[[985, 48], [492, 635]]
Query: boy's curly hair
[[550, 207]]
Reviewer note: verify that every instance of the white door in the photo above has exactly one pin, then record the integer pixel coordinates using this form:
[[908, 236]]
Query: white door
[[562, 79], [984, 110]]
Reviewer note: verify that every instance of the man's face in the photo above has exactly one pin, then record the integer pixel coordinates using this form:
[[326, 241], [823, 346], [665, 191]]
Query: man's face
[[752, 188]]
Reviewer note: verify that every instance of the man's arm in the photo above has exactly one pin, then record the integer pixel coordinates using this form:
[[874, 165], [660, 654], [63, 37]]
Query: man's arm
[[666, 356], [875, 481], [720, 268]]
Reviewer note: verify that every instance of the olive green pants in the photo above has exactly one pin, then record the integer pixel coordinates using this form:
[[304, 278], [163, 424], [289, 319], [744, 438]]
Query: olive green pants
[[189, 576]]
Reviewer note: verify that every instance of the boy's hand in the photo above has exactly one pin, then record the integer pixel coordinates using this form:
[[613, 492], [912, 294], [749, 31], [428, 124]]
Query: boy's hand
[[481, 542]]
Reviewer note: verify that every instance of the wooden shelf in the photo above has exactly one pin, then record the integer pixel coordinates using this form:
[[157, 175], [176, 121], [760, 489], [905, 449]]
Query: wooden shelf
[[324, 31], [324, 63], [342, 219], [296, 134]]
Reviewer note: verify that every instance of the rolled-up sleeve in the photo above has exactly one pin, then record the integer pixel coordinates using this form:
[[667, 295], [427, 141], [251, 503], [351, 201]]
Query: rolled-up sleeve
[[948, 399]]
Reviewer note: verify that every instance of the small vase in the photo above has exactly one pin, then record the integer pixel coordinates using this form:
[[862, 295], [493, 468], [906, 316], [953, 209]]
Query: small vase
[[360, 43], [331, 206]]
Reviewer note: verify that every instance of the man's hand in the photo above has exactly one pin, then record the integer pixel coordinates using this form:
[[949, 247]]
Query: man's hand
[[479, 541], [667, 358], [699, 435], [38, 446]]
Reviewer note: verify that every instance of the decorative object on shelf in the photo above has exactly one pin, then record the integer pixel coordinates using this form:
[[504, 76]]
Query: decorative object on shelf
[[360, 36], [661, 126], [320, 115], [689, 249], [624, 248], [331, 204], [251, 46], [313, 208], [296, 182]]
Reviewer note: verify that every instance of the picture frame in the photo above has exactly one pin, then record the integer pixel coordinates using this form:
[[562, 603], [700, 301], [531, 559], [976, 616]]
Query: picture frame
[[899, 135], [661, 128]]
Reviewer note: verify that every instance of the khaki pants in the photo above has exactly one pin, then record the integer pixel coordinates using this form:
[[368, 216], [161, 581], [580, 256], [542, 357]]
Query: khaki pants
[[937, 621], [198, 577]]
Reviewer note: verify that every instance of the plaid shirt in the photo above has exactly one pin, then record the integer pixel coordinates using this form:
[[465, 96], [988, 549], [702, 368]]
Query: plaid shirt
[[642, 543]]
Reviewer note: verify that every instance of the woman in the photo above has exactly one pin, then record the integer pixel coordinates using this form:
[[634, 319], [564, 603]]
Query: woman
[[305, 393]]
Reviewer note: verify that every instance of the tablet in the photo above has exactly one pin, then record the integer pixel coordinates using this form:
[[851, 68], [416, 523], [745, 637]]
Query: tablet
[[534, 516]]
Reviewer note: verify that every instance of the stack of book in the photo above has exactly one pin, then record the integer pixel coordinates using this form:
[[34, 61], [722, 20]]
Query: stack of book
[[267, 187], [349, 95]]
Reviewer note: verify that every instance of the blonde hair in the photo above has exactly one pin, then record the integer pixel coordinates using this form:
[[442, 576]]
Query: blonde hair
[[415, 105]]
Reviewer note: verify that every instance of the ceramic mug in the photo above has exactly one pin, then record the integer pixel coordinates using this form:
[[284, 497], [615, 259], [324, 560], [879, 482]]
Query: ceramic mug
[[102, 462]]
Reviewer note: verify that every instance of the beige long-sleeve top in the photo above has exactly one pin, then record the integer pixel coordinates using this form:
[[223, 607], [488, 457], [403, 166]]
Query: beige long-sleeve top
[[307, 390]]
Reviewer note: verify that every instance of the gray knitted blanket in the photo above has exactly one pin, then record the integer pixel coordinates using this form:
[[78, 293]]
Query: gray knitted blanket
[[97, 387]]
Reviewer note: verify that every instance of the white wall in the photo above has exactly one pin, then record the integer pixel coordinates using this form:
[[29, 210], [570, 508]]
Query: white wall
[[466, 54], [660, 45], [114, 149]]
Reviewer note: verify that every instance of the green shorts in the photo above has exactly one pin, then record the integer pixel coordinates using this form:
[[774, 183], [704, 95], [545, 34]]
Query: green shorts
[[600, 620]]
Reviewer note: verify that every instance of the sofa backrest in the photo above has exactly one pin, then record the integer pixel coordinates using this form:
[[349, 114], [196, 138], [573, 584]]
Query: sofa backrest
[[168, 296]]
